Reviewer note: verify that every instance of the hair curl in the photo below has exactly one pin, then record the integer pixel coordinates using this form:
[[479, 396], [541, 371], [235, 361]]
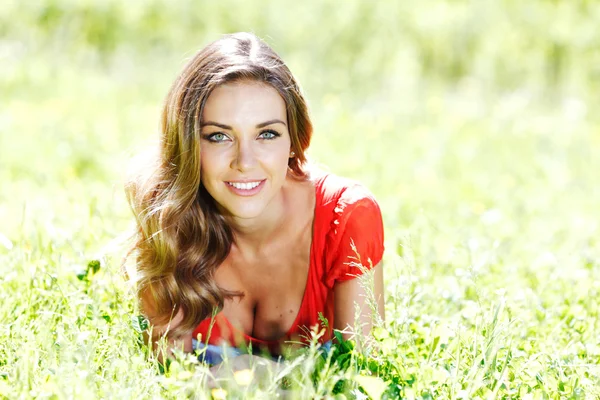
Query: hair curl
[[181, 237]]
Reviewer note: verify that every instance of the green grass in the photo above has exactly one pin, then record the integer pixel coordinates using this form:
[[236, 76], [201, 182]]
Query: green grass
[[476, 125]]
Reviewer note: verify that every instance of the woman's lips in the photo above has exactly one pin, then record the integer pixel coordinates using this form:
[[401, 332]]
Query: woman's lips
[[248, 188]]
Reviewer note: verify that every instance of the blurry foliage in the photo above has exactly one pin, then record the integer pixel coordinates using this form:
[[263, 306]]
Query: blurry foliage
[[357, 43]]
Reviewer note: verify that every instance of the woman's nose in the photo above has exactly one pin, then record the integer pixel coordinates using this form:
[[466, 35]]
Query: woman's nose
[[245, 157]]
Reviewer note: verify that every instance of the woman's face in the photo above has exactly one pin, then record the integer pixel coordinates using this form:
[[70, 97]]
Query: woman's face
[[245, 146]]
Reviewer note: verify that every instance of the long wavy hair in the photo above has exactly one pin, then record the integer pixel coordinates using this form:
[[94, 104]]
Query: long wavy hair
[[181, 238]]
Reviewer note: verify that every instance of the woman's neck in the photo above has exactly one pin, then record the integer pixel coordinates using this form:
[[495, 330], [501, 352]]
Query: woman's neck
[[253, 234]]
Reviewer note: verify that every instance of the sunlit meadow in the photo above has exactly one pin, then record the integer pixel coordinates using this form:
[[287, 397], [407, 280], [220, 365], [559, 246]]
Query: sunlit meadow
[[476, 125]]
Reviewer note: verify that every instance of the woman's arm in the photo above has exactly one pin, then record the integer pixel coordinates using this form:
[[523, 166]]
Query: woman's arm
[[352, 293]]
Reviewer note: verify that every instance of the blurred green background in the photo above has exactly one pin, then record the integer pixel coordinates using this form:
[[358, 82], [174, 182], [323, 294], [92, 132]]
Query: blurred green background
[[475, 123]]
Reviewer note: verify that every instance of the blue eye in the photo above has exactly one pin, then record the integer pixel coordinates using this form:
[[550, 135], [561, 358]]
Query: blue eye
[[269, 135], [216, 137]]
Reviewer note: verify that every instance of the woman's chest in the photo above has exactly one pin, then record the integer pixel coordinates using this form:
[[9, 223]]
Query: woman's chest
[[273, 286]]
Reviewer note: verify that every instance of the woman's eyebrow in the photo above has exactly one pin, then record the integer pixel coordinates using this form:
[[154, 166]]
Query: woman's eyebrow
[[222, 126], [270, 122], [261, 125]]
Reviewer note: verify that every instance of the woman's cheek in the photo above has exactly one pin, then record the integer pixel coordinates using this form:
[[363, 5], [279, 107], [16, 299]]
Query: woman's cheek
[[214, 159]]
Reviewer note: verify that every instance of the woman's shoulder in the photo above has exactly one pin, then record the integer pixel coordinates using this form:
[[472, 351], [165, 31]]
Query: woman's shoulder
[[343, 205], [339, 192]]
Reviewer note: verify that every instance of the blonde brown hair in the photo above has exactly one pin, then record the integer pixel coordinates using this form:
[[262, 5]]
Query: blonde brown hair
[[181, 236]]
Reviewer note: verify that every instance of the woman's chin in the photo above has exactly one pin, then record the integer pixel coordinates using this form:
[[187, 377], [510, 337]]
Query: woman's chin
[[247, 212]]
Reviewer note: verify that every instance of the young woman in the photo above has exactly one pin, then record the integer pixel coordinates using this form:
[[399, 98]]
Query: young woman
[[239, 241]]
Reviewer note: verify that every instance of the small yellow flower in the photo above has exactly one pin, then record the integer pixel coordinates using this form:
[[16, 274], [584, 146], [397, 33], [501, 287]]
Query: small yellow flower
[[243, 377], [184, 375], [218, 394]]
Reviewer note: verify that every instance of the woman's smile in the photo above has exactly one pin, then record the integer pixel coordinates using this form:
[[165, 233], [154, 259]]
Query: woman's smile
[[246, 188]]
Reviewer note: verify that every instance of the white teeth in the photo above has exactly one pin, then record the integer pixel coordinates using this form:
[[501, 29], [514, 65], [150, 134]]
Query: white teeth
[[244, 185]]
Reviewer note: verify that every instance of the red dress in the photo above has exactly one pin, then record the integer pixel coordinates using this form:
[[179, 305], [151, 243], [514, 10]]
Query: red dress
[[346, 215]]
